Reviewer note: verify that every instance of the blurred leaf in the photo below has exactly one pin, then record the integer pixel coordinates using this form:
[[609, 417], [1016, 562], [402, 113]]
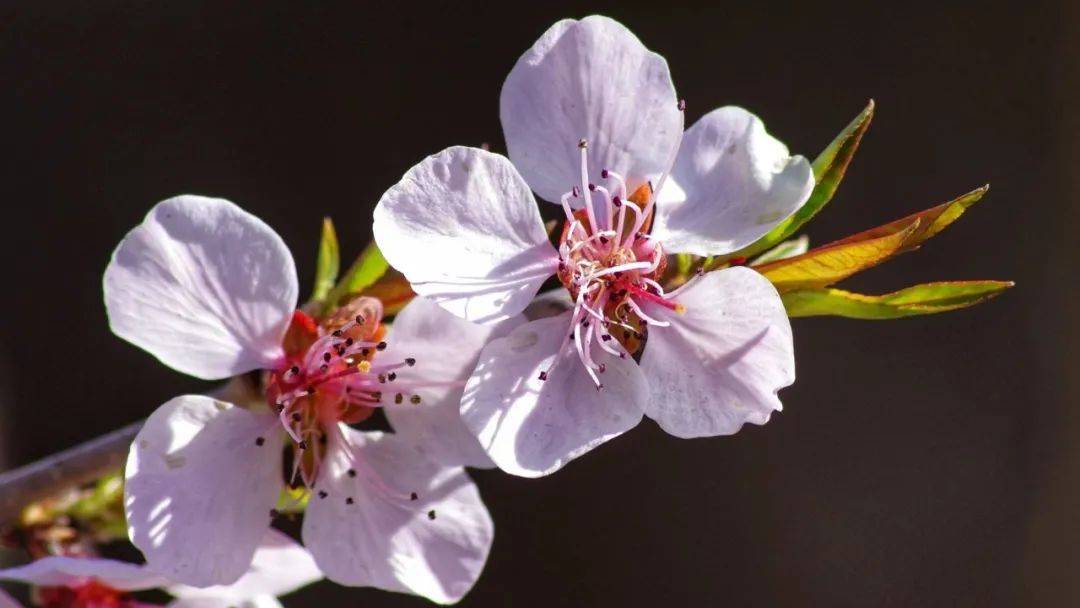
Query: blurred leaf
[[923, 299], [829, 168], [393, 290], [932, 221], [683, 263], [368, 268], [787, 249], [828, 264], [329, 262], [292, 500]]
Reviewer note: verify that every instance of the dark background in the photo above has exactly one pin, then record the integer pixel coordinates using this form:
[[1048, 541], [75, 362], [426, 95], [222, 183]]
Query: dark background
[[921, 462]]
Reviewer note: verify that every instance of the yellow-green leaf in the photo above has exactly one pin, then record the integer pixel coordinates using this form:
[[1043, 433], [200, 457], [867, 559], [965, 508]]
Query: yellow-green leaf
[[829, 168], [826, 265], [925, 299], [328, 263], [368, 268], [292, 500]]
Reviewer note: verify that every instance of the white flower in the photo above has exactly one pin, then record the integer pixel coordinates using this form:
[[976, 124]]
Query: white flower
[[280, 566], [592, 122], [211, 290]]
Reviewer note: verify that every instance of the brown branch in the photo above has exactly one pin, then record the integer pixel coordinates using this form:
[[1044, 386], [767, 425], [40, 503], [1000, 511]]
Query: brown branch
[[71, 468], [85, 462]]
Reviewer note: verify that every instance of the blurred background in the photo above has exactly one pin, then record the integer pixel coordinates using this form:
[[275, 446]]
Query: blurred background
[[931, 461]]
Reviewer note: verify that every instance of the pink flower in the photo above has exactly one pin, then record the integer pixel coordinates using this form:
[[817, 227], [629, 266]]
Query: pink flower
[[280, 566], [592, 122], [211, 291]]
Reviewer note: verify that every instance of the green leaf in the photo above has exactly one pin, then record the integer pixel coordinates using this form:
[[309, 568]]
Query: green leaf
[[925, 299], [328, 264], [829, 168], [368, 268], [783, 251]]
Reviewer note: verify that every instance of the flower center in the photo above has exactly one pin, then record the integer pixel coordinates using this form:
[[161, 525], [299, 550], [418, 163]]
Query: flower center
[[332, 375], [611, 266]]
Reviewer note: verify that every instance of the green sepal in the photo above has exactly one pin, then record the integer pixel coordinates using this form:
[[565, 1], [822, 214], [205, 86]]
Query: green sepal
[[368, 268]]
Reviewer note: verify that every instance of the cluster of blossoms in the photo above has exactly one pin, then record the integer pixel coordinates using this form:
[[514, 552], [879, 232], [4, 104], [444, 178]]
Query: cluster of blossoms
[[468, 373]]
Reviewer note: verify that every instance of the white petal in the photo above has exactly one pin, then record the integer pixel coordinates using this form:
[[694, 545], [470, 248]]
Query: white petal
[[445, 348], [384, 538], [532, 427], [463, 227], [259, 601], [731, 184], [204, 286], [721, 363], [281, 566], [589, 79], [61, 571], [199, 488]]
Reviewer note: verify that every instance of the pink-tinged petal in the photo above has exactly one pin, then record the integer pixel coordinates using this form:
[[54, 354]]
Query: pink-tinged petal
[[6, 601], [201, 478], [720, 363], [732, 183], [590, 79], [204, 286], [281, 565], [444, 348], [532, 427], [368, 530], [62, 571], [464, 228]]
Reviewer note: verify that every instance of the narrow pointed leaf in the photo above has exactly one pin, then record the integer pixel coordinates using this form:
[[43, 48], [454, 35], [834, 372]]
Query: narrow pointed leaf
[[829, 168], [932, 221], [925, 299], [368, 268], [834, 262], [328, 263]]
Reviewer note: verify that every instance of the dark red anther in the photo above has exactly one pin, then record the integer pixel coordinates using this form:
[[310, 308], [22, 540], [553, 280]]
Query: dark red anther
[[410, 361], [737, 261], [604, 173], [543, 376], [380, 346]]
